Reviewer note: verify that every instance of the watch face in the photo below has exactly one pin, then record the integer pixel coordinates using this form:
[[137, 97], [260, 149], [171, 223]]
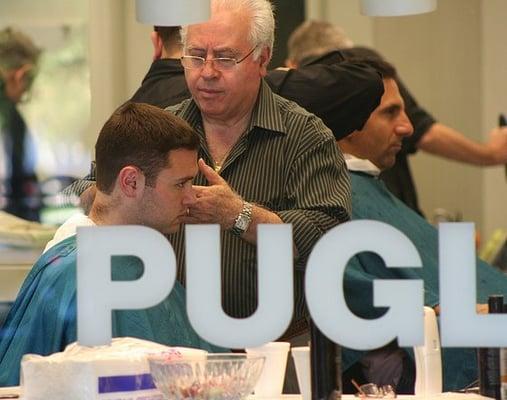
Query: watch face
[[242, 224]]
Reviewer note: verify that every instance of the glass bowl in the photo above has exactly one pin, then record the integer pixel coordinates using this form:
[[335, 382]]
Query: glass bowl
[[209, 377]]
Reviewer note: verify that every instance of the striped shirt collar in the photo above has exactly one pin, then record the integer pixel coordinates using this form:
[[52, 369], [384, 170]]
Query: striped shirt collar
[[265, 114]]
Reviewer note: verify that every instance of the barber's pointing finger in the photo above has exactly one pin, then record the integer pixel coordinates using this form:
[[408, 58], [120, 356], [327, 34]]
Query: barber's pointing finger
[[209, 173]]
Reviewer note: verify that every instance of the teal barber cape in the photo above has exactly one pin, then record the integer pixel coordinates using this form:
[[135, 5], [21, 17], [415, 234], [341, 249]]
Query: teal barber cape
[[372, 200], [43, 318]]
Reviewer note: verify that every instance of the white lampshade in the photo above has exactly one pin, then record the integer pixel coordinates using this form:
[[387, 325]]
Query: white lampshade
[[172, 12], [392, 8]]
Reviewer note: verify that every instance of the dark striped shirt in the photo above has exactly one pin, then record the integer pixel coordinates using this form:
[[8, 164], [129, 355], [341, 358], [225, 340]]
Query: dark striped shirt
[[287, 162]]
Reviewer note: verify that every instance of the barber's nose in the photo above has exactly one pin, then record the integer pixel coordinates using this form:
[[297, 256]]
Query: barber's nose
[[208, 70]]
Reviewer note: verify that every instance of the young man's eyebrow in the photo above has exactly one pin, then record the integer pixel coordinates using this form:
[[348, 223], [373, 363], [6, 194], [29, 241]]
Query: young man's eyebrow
[[185, 179]]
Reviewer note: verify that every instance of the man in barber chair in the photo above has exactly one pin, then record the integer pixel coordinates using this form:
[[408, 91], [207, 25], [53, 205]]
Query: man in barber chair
[[368, 152]]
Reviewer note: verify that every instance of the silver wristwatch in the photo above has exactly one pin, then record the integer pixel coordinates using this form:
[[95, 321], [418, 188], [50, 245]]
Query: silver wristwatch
[[242, 221]]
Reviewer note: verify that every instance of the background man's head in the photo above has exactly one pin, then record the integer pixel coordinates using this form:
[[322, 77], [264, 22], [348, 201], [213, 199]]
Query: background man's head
[[146, 160], [314, 38], [18, 62], [380, 138], [241, 30], [166, 42]]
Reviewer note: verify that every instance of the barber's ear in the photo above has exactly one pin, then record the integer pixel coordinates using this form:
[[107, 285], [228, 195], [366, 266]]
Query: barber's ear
[[156, 40], [131, 181], [264, 59]]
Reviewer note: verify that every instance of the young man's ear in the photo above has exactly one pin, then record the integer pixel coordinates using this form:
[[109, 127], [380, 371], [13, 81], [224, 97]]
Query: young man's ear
[[131, 181], [156, 40]]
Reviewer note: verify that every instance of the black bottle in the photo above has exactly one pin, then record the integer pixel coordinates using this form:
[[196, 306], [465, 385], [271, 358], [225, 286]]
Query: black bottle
[[489, 359], [502, 121], [325, 361]]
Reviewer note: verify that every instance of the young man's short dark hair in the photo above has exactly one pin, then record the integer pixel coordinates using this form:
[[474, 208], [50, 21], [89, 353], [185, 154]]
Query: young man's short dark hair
[[141, 135]]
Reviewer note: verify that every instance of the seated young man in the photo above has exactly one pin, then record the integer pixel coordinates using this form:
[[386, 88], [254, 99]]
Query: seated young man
[[146, 160], [368, 152]]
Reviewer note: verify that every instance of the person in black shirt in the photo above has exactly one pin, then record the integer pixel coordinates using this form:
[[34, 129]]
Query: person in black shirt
[[316, 38], [164, 85], [19, 193]]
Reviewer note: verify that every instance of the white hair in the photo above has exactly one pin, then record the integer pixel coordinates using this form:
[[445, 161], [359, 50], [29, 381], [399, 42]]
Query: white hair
[[261, 13]]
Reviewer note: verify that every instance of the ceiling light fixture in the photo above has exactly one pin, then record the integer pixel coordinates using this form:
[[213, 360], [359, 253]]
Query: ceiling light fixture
[[392, 8], [172, 12]]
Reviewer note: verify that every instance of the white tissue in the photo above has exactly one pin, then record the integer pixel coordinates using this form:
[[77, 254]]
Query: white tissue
[[75, 373]]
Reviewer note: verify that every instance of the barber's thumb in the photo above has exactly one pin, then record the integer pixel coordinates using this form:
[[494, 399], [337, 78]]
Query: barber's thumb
[[209, 173]]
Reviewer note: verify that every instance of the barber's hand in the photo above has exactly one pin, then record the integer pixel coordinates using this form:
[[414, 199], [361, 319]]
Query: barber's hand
[[86, 199], [497, 145], [215, 204]]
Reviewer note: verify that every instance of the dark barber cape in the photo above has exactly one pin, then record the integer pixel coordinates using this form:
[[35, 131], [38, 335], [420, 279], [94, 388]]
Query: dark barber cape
[[43, 319], [341, 93], [372, 201]]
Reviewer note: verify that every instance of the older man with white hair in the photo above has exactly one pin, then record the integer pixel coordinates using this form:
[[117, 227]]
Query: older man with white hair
[[264, 158]]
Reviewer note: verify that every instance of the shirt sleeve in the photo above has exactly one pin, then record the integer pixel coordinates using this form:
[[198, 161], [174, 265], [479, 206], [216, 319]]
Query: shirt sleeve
[[318, 190]]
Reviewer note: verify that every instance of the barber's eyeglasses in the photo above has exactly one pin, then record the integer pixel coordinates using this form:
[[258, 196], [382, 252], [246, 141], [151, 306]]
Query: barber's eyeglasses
[[220, 63]]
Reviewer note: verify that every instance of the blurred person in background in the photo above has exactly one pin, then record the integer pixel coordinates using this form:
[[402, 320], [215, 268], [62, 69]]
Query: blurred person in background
[[313, 40], [19, 192]]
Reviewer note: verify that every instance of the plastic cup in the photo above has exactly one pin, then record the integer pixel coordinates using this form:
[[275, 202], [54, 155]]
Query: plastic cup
[[301, 356], [270, 383]]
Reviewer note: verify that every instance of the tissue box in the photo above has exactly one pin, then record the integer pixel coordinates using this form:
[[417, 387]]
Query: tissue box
[[116, 372]]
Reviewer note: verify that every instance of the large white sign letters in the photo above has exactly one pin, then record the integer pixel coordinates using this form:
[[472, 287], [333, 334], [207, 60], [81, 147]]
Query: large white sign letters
[[324, 287], [98, 295]]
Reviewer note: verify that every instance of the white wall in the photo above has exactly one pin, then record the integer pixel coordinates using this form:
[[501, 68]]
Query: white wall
[[438, 55], [120, 55]]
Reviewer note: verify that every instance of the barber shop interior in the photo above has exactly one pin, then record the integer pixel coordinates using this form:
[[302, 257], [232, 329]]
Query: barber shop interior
[[253, 199]]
